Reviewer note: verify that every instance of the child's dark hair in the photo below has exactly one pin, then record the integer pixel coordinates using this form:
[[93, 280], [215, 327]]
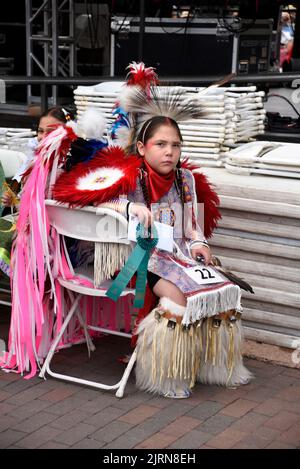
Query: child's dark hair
[[58, 112], [147, 131], [151, 125]]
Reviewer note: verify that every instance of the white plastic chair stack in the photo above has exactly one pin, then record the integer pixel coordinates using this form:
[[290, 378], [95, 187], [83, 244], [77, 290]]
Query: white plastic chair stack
[[102, 97], [87, 223], [263, 157], [232, 115], [247, 105], [204, 138]]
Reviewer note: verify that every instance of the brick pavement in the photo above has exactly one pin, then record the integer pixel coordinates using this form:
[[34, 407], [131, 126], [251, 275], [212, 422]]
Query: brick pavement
[[53, 414]]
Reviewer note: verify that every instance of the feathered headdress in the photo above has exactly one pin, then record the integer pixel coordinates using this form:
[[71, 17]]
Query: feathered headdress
[[141, 99], [138, 77], [142, 76]]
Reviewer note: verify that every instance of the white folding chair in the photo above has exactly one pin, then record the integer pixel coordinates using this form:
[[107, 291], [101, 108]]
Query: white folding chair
[[96, 225], [11, 161]]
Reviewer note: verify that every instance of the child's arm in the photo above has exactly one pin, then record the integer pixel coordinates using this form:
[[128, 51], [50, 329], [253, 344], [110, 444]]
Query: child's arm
[[124, 207]]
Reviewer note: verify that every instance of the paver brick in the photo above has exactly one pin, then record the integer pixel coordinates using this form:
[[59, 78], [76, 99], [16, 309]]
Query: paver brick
[[205, 410], [39, 437], [53, 445], [269, 407], [157, 441], [34, 422], [249, 422], [69, 420], [226, 396], [261, 393], [181, 426], [291, 436], [217, 423], [139, 414], [111, 431], [88, 443], [104, 417], [193, 440], [66, 405], [283, 420], [22, 412], [252, 442], [59, 394], [279, 445], [25, 395], [74, 435], [4, 395], [9, 437], [292, 393], [6, 422], [267, 432], [226, 439], [238, 408]]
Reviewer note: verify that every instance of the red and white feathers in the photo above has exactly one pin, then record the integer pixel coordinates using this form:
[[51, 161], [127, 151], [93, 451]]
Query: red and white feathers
[[107, 175]]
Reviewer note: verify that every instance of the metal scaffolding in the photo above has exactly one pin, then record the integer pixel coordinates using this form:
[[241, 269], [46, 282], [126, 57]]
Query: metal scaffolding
[[50, 41]]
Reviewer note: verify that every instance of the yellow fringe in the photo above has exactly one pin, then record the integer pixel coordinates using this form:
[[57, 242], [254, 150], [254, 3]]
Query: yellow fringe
[[162, 354], [230, 362], [154, 353]]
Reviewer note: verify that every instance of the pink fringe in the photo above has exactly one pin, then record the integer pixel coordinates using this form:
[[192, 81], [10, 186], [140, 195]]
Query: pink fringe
[[38, 258]]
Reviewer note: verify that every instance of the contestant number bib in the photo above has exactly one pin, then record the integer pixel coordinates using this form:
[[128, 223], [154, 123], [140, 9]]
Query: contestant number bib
[[204, 275]]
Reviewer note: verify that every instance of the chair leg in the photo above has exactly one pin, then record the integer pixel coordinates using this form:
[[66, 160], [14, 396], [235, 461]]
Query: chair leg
[[55, 343], [90, 346], [123, 382]]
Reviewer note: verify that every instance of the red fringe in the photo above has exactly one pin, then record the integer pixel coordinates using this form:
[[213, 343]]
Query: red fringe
[[206, 195], [63, 150]]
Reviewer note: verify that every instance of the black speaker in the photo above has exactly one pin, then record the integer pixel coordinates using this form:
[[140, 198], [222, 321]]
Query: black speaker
[[175, 47]]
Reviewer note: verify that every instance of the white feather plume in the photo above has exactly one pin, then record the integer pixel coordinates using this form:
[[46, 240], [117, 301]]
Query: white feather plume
[[122, 139], [92, 124]]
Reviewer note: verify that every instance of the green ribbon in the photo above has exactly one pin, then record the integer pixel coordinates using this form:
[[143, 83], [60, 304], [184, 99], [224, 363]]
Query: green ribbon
[[137, 262]]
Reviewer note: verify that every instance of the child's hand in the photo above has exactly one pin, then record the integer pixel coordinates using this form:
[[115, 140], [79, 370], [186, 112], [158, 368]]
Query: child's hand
[[202, 251], [143, 214]]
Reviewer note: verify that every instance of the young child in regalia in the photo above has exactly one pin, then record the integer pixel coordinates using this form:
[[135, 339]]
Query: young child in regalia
[[193, 332]]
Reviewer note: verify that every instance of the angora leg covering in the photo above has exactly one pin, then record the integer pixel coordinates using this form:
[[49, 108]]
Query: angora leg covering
[[221, 360], [167, 357]]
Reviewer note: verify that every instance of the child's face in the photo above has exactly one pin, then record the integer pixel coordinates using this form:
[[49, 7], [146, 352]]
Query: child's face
[[162, 150], [46, 125]]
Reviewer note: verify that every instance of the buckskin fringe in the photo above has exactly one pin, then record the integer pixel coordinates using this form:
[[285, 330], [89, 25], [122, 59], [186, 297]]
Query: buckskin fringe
[[109, 257], [167, 358], [209, 303], [221, 358]]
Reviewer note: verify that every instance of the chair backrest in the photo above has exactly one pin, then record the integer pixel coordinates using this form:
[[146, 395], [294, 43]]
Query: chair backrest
[[11, 161], [88, 223]]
